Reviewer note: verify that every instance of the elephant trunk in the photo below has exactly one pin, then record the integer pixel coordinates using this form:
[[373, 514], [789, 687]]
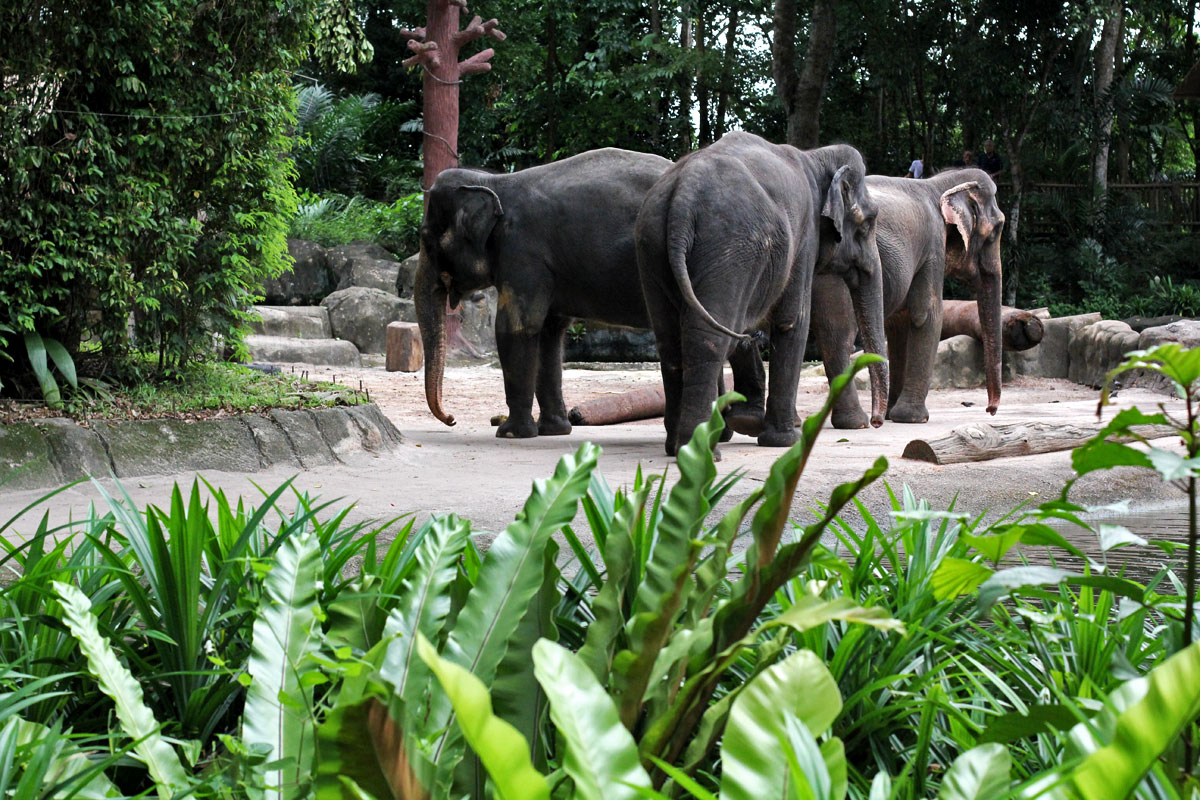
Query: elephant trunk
[[868, 310], [429, 299], [988, 297]]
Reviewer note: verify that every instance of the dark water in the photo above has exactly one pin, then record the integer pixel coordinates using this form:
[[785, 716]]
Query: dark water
[[1140, 561]]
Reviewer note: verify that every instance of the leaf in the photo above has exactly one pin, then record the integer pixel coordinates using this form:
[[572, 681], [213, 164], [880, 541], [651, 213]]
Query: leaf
[[1098, 454], [363, 751], [1006, 580], [810, 611], [1144, 730], [995, 546], [116, 681], [278, 711], [981, 773], [808, 776], [881, 787], [1015, 725], [35, 348], [754, 765], [1173, 466], [1114, 536], [62, 360], [955, 577], [500, 747], [601, 757]]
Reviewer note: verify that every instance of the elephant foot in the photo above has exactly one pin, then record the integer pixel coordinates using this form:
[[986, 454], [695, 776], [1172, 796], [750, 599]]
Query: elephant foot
[[848, 420], [908, 413], [744, 419], [773, 438], [726, 433], [517, 429], [553, 426]]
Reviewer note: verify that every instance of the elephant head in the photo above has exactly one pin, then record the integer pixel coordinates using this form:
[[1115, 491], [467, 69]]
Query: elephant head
[[454, 260], [974, 223], [849, 249]]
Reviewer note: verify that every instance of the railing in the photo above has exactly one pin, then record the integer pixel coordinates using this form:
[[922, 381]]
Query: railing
[[1171, 204]]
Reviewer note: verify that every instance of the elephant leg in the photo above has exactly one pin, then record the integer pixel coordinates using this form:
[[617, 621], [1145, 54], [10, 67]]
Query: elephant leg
[[749, 380], [517, 345], [726, 432], [834, 328], [704, 352], [919, 345], [787, 355], [552, 421]]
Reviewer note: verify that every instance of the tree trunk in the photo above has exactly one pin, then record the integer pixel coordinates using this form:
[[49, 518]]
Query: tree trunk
[[726, 87], [1110, 37], [705, 130], [801, 92], [685, 80], [1012, 224], [551, 78]]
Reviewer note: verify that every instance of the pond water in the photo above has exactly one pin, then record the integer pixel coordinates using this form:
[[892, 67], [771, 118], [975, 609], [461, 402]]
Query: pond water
[[1166, 524]]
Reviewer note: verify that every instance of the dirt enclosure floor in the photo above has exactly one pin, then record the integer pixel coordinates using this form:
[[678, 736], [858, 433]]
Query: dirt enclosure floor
[[466, 470]]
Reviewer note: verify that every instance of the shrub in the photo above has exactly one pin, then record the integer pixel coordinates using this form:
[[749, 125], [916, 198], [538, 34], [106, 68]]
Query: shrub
[[334, 219]]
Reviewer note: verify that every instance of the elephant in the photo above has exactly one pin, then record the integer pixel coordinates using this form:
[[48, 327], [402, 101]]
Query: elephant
[[728, 241], [556, 240], [948, 224]]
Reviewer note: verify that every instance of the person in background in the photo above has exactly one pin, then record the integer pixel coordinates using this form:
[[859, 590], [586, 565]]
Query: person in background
[[989, 160], [967, 160], [916, 168]]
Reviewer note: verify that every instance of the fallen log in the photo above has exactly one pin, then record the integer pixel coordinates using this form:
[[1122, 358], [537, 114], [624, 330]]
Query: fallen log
[[628, 406], [1019, 329], [980, 441]]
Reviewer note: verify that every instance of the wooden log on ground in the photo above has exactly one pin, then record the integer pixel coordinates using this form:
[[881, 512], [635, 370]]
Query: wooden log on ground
[[980, 441], [644, 403], [1019, 329]]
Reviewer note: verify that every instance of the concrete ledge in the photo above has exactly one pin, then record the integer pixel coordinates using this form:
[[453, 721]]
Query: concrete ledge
[[49, 453], [326, 352], [296, 322]]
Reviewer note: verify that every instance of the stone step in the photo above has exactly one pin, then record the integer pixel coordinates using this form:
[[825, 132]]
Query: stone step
[[324, 352], [297, 322]]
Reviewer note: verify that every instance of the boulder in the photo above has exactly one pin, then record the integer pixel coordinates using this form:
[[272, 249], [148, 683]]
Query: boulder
[[374, 273], [361, 315], [326, 352], [297, 322], [407, 275], [1050, 359], [343, 257], [306, 282], [1140, 324], [959, 363], [1185, 332], [1097, 348], [605, 343], [478, 314]]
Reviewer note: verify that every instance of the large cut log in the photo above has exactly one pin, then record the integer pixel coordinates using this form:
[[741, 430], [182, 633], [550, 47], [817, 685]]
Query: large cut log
[[1020, 329], [980, 441], [624, 407]]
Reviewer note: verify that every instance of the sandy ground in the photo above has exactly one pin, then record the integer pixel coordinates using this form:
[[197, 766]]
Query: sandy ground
[[464, 469]]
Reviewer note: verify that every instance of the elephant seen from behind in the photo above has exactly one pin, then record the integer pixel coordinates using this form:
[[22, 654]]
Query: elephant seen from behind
[[728, 241], [948, 224]]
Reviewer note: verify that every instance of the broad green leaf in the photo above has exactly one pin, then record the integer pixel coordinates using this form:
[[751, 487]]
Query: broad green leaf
[[810, 611], [955, 577], [995, 546], [62, 360], [1114, 536], [1099, 454], [1144, 730], [881, 787], [116, 681], [981, 773], [601, 757], [69, 769], [424, 604], [279, 711], [1173, 466], [754, 766], [363, 749], [1004, 581], [500, 747], [35, 348], [1015, 725], [807, 775]]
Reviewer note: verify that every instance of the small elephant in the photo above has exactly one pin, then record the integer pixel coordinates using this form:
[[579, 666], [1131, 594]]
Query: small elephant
[[728, 241], [557, 242], [948, 224]]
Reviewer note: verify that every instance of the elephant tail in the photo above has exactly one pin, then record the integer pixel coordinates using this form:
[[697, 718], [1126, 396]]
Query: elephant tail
[[680, 233]]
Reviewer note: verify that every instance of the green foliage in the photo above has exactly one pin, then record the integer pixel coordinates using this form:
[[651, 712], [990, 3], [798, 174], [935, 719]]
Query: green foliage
[[333, 219], [140, 169]]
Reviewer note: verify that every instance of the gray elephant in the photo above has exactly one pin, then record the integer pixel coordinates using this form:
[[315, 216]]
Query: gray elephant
[[728, 241], [557, 242], [948, 224]]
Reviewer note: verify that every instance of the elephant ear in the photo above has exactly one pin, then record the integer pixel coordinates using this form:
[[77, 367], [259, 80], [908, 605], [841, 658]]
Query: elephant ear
[[960, 210], [478, 209], [835, 200]]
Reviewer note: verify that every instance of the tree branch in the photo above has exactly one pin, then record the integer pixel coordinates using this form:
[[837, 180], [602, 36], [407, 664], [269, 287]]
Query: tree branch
[[477, 29], [425, 53], [476, 63], [415, 33]]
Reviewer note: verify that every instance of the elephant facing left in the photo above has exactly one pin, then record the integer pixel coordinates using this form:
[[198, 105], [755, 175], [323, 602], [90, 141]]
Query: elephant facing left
[[557, 242]]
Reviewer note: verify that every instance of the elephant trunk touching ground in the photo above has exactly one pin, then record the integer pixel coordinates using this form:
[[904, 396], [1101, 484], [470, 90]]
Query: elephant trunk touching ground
[[1019, 329], [988, 295], [429, 297], [868, 311]]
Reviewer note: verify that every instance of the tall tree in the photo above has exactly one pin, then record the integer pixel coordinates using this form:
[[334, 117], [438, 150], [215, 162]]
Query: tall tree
[[802, 90], [1106, 54]]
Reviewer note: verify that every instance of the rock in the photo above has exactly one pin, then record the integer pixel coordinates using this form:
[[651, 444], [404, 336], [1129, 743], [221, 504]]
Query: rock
[[330, 352], [1185, 332], [361, 315], [1140, 324], [959, 364], [1097, 348], [407, 275], [1050, 359], [25, 458], [343, 257], [405, 352], [78, 451], [297, 322], [606, 343], [169, 446], [375, 273], [306, 282], [478, 314]]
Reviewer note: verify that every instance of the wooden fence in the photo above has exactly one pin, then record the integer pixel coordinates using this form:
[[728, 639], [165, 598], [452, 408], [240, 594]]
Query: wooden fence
[[1174, 204]]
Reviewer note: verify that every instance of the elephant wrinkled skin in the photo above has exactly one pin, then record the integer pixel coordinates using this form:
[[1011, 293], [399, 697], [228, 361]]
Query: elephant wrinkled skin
[[948, 224], [728, 241]]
